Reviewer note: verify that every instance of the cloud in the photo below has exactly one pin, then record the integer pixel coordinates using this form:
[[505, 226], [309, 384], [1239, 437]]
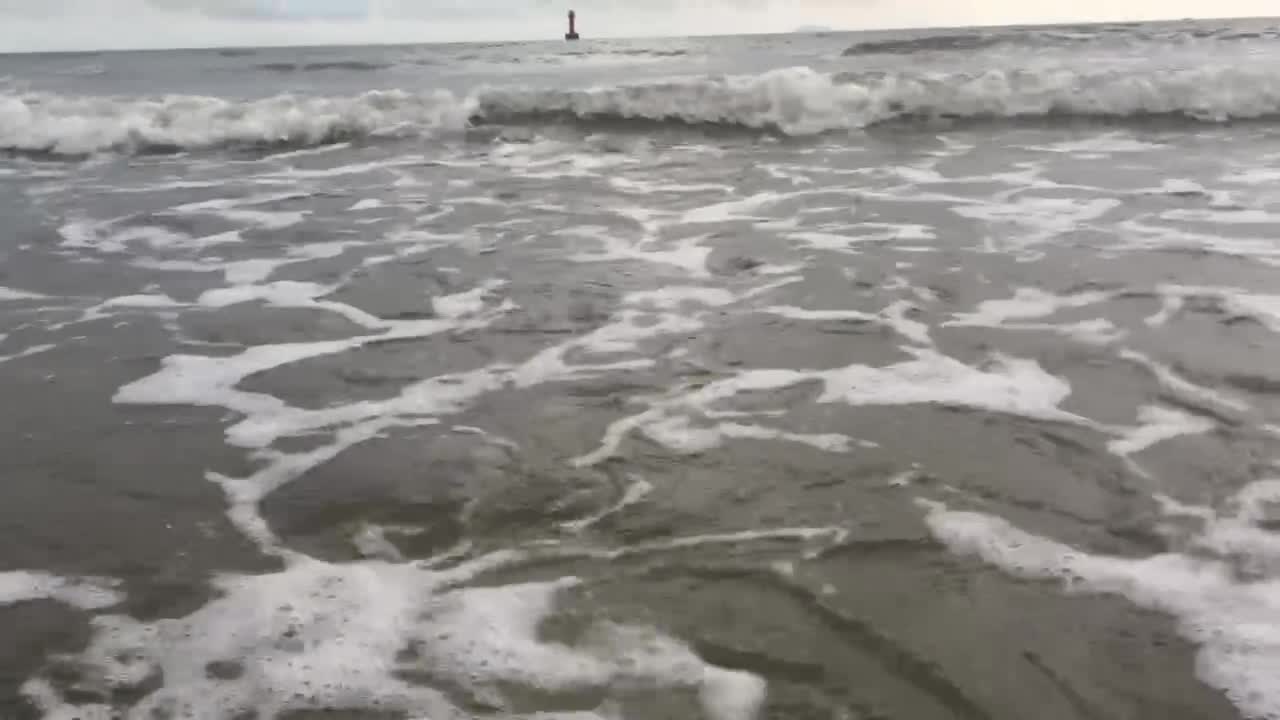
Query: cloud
[[114, 24]]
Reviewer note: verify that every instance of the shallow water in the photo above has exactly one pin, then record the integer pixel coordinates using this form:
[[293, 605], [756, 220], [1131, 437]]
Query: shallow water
[[775, 395]]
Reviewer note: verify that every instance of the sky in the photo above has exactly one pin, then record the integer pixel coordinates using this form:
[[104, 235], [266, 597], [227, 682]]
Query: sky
[[37, 25]]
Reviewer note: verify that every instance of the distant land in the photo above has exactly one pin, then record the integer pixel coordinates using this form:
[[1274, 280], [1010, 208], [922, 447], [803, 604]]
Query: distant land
[[810, 29]]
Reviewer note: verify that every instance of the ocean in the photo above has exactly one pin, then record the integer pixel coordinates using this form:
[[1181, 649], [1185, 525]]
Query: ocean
[[888, 375]]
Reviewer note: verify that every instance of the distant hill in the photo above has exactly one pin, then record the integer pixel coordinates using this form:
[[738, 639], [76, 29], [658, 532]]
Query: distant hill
[[810, 29]]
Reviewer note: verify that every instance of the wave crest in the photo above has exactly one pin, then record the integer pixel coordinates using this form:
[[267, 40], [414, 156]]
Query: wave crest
[[799, 101], [795, 101], [1057, 36], [78, 125], [928, 43]]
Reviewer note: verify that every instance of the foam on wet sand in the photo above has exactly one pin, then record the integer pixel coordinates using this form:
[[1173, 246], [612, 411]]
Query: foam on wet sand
[[1228, 616], [319, 636], [563, 385]]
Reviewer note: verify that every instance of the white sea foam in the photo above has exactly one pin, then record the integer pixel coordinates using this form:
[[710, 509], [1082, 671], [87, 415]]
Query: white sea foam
[[9, 295], [820, 239], [199, 380], [470, 302], [1036, 219], [1108, 144], [795, 313], [641, 186], [86, 593], [687, 254], [813, 536], [1158, 424], [1181, 186], [1253, 176], [845, 238], [1263, 308], [298, 295], [628, 329], [318, 636], [676, 297], [213, 381], [307, 152], [741, 209], [142, 301], [240, 210], [1098, 331], [795, 100], [1231, 617], [1170, 305], [284, 293], [894, 317], [109, 237], [637, 490], [361, 168], [1031, 303], [1138, 235], [1222, 217], [548, 160], [1180, 386], [680, 435], [248, 272], [27, 352], [1026, 303], [1005, 385]]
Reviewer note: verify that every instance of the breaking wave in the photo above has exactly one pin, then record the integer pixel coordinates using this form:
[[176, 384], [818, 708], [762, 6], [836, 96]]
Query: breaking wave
[[794, 101], [929, 43], [79, 125], [1048, 36]]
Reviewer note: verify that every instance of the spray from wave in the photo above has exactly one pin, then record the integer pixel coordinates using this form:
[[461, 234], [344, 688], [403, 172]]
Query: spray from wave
[[793, 101]]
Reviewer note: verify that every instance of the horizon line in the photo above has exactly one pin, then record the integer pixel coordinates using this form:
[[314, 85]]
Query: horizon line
[[556, 39]]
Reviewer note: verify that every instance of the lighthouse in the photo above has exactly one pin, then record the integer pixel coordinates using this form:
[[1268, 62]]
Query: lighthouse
[[573, 27]]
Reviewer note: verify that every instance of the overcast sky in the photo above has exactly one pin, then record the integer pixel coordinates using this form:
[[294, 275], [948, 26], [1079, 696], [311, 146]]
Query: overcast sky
[[91, 24]]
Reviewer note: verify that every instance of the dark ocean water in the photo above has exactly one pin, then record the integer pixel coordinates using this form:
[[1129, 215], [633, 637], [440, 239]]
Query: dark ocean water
[[894, 375]]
